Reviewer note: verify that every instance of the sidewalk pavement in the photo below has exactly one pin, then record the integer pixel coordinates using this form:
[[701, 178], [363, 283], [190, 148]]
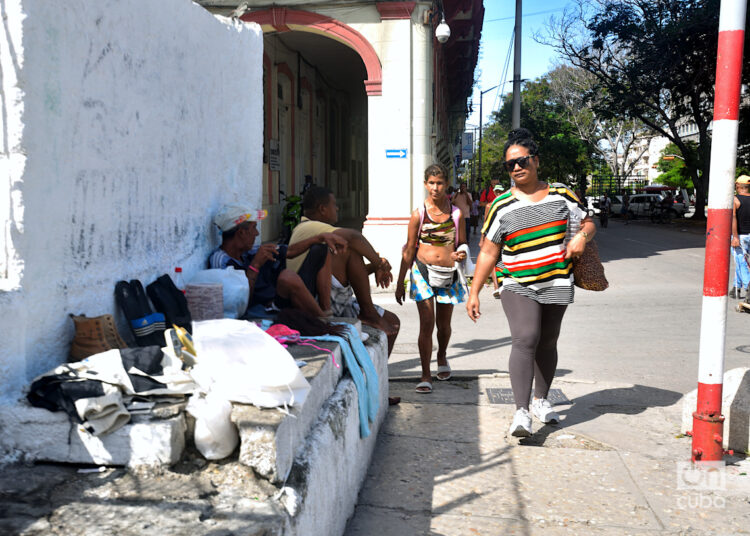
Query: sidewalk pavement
[[616, 464]]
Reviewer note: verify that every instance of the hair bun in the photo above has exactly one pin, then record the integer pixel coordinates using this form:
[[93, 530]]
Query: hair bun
[[519, 134]]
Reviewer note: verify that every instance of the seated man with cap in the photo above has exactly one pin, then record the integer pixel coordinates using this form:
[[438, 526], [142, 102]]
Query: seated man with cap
[[350, 274], [272, 285]]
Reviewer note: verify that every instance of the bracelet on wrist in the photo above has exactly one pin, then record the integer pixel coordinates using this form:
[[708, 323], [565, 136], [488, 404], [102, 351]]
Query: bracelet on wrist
[[253, 268], [584, 234]]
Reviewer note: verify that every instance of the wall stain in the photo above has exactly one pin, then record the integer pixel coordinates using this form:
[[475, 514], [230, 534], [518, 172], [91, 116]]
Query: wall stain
[[88, 68]]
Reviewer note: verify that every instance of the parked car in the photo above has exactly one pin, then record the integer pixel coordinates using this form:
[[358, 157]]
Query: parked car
[[641, 204], [592, 205]]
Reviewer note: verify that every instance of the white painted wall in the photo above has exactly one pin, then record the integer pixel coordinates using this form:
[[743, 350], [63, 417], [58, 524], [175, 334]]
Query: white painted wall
[[125, 125]]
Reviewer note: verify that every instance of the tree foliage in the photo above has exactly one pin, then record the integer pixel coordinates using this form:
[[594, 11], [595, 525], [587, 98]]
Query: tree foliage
[[653, 60], [617, 140], [672, 166], [563, 155]]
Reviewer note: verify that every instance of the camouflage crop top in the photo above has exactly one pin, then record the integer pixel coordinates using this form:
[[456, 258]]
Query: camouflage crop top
[[437, 234]]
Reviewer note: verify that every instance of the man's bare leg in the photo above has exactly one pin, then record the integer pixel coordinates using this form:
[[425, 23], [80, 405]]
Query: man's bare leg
[[349, 269], [323, 283], [291, 287]]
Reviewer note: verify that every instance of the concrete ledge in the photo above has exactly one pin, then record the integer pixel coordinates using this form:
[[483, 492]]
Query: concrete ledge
[[36, 434], [269, 438], [735, 406], [330, 468], [329, 460]]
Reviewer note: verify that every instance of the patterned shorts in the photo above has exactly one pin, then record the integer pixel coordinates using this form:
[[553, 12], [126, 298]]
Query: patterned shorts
[[420, 290], [343, 301]]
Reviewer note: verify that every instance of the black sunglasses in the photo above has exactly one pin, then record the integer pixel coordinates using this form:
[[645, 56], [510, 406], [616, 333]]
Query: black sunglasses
[[510, 165]]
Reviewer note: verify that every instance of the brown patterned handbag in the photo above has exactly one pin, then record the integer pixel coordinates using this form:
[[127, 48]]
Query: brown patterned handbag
[[588, 272]]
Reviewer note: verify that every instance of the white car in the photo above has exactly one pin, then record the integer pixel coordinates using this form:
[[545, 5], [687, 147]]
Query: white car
[[592, 205], [641, 205]]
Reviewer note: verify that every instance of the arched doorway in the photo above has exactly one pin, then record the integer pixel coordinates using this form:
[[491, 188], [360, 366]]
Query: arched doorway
[[319, 76]]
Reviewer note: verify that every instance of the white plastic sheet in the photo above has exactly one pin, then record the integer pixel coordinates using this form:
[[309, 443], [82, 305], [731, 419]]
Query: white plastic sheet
[[239, 361]]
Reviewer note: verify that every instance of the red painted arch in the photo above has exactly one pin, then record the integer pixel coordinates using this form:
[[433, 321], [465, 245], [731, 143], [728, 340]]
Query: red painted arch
[[281, 19]]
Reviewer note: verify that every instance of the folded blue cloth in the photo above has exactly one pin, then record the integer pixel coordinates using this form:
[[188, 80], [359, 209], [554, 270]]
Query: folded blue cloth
[[357, 360]]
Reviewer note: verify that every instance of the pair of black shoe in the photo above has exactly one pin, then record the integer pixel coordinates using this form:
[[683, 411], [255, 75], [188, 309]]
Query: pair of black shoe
[[146, 324], [736, 293]]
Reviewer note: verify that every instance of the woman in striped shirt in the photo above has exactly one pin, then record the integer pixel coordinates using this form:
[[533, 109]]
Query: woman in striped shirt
[[538, 228]]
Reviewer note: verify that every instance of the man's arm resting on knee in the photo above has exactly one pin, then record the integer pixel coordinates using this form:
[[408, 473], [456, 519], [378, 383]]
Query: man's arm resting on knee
[[359, 244], [335, 244]]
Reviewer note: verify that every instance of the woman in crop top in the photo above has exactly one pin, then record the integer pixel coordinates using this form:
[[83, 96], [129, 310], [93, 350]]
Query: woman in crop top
[[432, 284]]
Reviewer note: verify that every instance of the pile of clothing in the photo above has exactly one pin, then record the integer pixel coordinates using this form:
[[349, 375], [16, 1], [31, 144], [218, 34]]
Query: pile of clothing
[[97, 391]]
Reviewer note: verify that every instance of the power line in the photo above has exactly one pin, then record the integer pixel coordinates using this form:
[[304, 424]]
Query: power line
[[503, 77], [528, 14]]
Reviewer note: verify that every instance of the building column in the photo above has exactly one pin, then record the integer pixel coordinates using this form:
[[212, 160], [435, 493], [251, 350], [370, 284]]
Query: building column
[[399, 120]]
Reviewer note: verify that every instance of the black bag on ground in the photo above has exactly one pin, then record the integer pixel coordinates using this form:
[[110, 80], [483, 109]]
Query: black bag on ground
[[170, 301]]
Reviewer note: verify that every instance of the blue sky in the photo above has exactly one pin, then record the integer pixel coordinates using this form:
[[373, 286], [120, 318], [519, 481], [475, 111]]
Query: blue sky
[[536, 59]]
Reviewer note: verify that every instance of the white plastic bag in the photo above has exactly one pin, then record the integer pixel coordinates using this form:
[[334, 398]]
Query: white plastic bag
[[236, 289], [241, 362], [215, 435]]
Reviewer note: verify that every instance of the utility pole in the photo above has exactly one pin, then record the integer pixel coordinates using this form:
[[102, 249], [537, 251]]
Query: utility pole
[[516, 116], [481, 96], [708, 421]]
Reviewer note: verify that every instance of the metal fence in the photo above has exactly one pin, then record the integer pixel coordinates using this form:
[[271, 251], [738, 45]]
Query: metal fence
[[615, 184]]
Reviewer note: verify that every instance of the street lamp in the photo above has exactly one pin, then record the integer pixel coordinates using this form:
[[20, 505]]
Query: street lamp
[[481, 95]]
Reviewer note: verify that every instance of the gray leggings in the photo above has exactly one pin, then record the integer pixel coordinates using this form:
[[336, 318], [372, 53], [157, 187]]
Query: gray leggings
[[534, 329]]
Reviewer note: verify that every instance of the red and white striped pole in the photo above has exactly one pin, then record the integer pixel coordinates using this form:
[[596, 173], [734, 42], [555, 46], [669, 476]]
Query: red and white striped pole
[[708, 422]]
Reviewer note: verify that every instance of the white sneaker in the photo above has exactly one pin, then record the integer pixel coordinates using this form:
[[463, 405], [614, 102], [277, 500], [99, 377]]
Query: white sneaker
[[521, 426], [542, 410]]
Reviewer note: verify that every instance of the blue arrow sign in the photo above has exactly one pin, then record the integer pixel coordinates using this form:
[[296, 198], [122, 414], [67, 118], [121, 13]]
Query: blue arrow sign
[[395, 153]]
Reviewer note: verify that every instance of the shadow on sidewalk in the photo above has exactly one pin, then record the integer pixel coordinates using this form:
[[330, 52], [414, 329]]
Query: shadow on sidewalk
[[405, 368], [622, 400], [428, 469]]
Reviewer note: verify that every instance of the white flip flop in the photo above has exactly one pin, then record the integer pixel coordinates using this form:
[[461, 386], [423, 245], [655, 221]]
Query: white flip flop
[[427, 386], [442, 369]]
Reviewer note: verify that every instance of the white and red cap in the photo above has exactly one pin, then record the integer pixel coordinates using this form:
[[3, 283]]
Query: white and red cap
[[230, 216]]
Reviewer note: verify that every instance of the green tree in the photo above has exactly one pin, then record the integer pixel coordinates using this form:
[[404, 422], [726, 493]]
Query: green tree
[[672, 166], [654, 60], [617, 141], [563, 155]]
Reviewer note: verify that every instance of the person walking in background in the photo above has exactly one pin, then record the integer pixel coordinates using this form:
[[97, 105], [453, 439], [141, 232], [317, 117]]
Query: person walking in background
[[462, 199], [540, 228], [486, 198], [488, 195], [435, 233], [625, 210], [741, 237], [605, 207], [474, 219]]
